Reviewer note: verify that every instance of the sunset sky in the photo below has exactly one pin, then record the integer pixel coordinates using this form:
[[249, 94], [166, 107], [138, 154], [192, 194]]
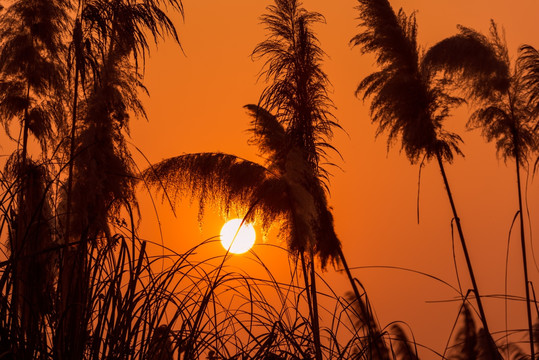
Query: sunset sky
[[196, 105]]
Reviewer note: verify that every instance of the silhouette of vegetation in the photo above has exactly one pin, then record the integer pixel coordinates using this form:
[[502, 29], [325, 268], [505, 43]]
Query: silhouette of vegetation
[[503, 114], [77, 281], [470, 342], [284, 191], [291, 128], [409, 100], [276, 192], [108, 39], [31, 80], [379, 344], [528, 61]]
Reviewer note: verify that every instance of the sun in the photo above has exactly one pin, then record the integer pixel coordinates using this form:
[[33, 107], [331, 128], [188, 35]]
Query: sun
[[240, 242]]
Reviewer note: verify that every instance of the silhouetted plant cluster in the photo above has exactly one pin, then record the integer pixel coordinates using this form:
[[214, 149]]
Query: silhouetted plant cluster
[[414, 92], [76, 282]]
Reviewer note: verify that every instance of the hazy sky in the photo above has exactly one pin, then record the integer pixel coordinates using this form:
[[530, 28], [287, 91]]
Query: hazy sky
[[196, 106]]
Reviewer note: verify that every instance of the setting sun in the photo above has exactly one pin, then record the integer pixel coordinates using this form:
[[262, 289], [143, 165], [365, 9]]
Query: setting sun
[[237, 241]]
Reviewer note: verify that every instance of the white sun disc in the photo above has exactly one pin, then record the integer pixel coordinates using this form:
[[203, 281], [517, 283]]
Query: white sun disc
[[235, 241]]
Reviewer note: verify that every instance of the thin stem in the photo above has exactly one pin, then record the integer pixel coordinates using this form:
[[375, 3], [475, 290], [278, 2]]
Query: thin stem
[[306, 281], [315, 315], [209, 292], [72, 152], [524, 258], [465, 250], [17, 246], [69, 282]]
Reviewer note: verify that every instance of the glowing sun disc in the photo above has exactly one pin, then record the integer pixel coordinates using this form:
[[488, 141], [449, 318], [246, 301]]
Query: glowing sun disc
[[240, 243]]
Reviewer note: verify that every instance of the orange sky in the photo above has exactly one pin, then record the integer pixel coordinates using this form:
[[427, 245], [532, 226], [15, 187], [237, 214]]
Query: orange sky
[[196, 106]]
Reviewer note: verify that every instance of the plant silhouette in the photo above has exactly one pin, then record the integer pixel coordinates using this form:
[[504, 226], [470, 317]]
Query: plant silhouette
[[41, 88], [529, 64], [108, 41], [30, 34], [389, 343], [503, 114], [77, 282], [278, 191], [409, 100], [470, 342], [291, 128], [289, 185]]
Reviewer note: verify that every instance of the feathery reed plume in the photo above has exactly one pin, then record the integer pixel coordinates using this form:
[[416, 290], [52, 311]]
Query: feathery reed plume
[[295, 116], [401, 346], [409, 99], [31, 70], [31, 74], [465, 343], [32, 264], [471, 343], [528, 62], [109, 40], [284, 190], [372, 346], [503, 114], [298, 88], [297, 93]]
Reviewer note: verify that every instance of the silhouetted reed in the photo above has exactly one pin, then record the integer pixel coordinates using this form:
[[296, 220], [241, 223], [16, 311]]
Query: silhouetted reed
[[469, 342], [131, 307], [409, 100], [77, 282], [504, 113], [291, 127]]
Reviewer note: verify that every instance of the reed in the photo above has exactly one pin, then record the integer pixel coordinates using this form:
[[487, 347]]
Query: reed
[[78, 282]]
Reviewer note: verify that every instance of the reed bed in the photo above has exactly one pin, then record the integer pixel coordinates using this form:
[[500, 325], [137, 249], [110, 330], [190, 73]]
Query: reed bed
[[78, 282], [142, 306]]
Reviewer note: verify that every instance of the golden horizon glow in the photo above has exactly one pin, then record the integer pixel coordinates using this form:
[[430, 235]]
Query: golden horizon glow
[[237, 241]]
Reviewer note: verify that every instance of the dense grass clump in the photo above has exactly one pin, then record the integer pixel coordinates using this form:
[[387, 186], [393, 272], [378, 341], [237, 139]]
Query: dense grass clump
[[143, 306]]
